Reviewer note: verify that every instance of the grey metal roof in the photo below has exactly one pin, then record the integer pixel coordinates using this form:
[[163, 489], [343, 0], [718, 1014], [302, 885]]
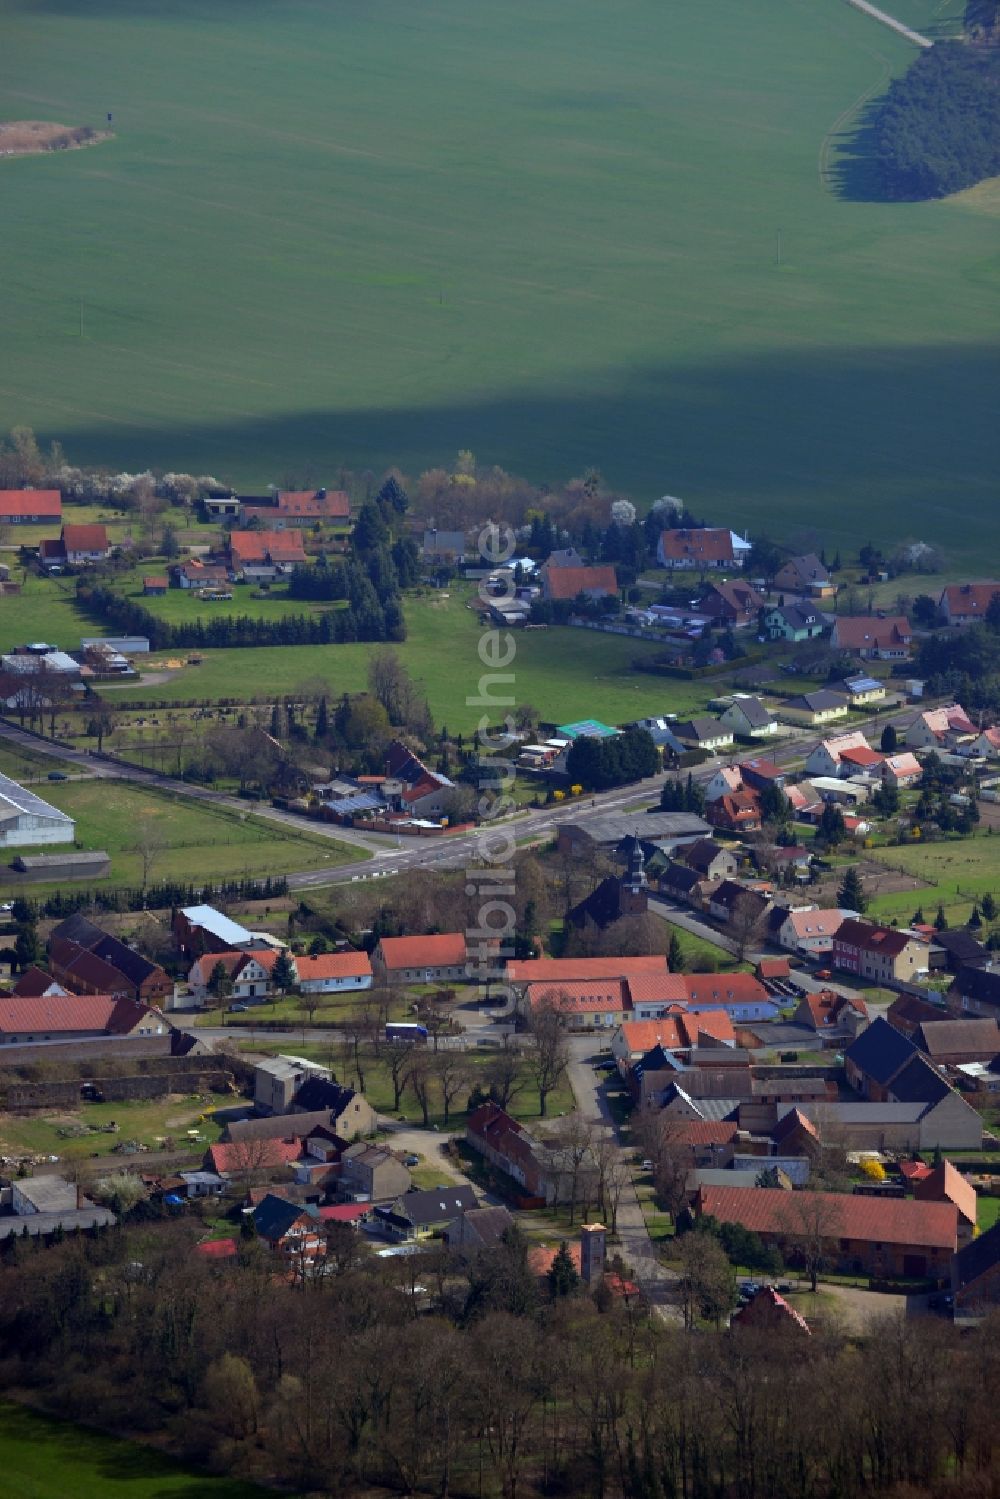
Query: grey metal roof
[[219, 925], [37, 1224], [612, 827], [19, 801]]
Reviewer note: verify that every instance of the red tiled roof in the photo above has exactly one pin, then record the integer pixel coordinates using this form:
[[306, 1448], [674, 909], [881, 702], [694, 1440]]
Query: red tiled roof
[[870, 938], [656, 988], [879, 1220], [969, 598], [773, 968], [335, 504], [33, 982], [249, 547], [589, 997], [945, 1184], [439, 950], [708, 545], [857, 631], [46, 502], [246, 1155], [914, 1171], [724, 988], [85, 538], [346, 1212], [703, 1132], [677, 1030], [862, 756], [567, 582], [334, 965], [569, 970], [234, 962], [156, 582], [40, 1015]]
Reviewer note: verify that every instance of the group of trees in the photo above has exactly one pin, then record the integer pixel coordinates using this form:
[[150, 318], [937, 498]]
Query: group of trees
[[597, 764], [938, 128], [446, 1377]]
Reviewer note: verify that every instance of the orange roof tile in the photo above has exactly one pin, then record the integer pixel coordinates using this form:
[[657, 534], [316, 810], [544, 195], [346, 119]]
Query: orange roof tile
[[881, 1220], [439, 950]]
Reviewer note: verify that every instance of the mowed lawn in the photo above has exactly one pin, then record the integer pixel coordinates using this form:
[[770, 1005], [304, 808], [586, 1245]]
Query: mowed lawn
[[565, 674], [332, 234], [200, 841], [959, 872], [48, 1459]]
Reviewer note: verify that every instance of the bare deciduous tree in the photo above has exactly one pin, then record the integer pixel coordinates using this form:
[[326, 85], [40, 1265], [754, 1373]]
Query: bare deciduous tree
[[547, 1054]]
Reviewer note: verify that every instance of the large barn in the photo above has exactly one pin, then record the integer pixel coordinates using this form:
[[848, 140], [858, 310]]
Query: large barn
[[26, 820]]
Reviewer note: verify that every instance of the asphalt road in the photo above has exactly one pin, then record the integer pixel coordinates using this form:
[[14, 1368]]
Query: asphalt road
[[380, 856]]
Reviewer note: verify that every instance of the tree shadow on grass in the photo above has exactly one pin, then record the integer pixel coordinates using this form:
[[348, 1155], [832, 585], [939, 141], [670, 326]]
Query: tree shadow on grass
[[854, 173]]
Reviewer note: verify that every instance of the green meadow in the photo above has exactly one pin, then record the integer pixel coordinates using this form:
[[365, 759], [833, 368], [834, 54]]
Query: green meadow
[[48, 1459], [631, 235]]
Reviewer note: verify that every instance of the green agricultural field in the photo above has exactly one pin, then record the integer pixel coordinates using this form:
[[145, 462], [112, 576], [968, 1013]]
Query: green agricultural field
[[958, 872], [45, 609], [48, 1459], [179, 606], [627, 235], [201, 841]]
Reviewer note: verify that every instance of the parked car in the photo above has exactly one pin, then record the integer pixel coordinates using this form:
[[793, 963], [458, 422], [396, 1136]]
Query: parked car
[[239, 1005], [57, 775]]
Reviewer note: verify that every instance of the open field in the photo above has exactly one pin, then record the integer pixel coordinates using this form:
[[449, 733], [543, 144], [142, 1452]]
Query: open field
[[48, 1459], [958, 872], [557, 247], [201, 841], [146, 1121]]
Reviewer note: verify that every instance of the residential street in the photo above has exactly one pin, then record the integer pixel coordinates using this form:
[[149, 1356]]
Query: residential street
[[637, 1248]]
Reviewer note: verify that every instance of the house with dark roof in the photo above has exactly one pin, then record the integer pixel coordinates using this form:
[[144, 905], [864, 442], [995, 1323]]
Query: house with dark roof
[[975, 1274], [795, 622], [291, 1229], [704, 733], [884, 1066], [951, 1042], [710, 860], [769, 1312], [371, 1173], [421, 1214], [478, 1228], [811, 709], [875, 1057], [351, 1115], [907, 1013], [804, 575], [749, 719], [975, 990], [962, 949], [737, 603], [880, 954]]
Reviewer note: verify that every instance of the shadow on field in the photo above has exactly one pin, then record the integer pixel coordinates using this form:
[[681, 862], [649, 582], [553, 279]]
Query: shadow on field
[[891, 441], [854, 173]]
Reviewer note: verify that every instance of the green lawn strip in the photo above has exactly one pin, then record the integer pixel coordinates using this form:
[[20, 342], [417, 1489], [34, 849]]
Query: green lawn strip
[[48, 1459], [988, 1212], [201, 841], [31, 765]]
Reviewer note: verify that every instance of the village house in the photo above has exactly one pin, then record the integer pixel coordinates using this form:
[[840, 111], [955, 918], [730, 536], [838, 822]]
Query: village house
[[736, 603], [810, 931], [878, 1236], [860, 691], [333, 972], [940, 728], [705, 548], [198, 574], [298, 508], [873, 637], [137, 976], [737, 812], [793, 622], [410, 787], [521, 973], [827, 757], [885, 1066], [804, 575], [422, 1214], [371, 1173], [708, 859], [975, 990], [292, 1230], [900, 770], [987, 744], [677, 1031], [478, 1228], [589, 1002], [248, 973], [29, 507], [811, 709], [705, 733], [443, 547], [749, 719], [743, 997], [156, 585], [82, 544], [26, 1020], [961, 949], [879, 954], [278, 1079], [435, 959], [966, 603], [571, 582], [826, 1010], [262, 556], [724, 781]]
